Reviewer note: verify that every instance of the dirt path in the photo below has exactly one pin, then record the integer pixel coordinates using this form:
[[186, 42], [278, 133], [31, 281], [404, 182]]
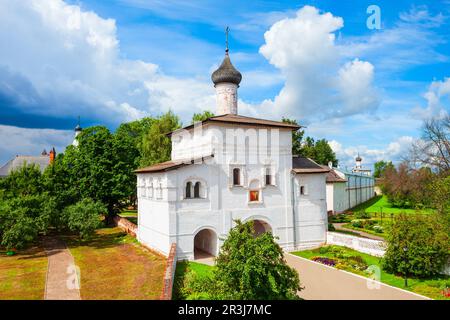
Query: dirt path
[[326, 283], [339, 226], [62, 279]]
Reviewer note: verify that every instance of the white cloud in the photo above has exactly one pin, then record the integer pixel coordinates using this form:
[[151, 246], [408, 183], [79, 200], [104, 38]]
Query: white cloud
[[438, 102], [21, 141], [394, 151], [63, 61], [318, 85]]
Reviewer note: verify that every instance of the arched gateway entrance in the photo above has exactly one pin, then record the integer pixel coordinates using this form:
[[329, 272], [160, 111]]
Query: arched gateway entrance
[[205, 244], [261, 227]]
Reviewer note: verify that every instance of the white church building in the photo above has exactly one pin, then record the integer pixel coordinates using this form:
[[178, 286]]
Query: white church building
[[231, 167]]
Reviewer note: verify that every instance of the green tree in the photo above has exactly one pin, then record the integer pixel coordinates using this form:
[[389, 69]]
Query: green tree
[[320, 150], [22, 218], [417, 245], [440, 195], [156, 145], [98, 170], [197, 117], [297, 137], [380, 168], [25, 180], [253, 267], [84, 217]]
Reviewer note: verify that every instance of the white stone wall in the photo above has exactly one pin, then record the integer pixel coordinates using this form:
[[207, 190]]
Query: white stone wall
[[369, 246], [310, 210], [226, 98], [343, 196]]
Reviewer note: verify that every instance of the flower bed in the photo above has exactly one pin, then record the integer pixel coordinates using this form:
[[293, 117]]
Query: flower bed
[[324, 260]]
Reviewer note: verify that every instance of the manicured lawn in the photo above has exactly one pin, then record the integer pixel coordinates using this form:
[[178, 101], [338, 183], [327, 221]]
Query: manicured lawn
[[380, 204], [182, 269], [22, 276], [114, 266], [429, 287]]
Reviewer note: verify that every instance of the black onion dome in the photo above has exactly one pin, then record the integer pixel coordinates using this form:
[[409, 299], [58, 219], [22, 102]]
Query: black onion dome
[[226, 72], [358, 158], [78, 128]]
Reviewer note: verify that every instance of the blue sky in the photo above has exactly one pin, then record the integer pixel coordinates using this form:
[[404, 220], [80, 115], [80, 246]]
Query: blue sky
[[364, 90]]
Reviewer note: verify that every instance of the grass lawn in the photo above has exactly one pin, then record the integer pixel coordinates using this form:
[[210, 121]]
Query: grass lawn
[[380, 204], [385, 224], [114, 266], [22, 276], [429, 287], [183, 268]]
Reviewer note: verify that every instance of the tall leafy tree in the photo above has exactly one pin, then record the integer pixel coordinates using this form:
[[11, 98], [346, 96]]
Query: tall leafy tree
[[202, 116], [156, 145], [97, 168], [380, 168]]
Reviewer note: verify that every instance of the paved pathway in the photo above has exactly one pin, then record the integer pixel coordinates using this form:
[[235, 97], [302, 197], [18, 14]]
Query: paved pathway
[[326, 283], [62, 279], [339, 226]]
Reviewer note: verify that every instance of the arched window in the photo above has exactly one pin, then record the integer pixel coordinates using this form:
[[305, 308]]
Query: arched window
[[197, 190], [188, 190], [236, 177]]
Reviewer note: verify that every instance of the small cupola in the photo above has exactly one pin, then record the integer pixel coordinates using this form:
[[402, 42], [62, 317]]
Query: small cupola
[[226, 72], [226, 80]]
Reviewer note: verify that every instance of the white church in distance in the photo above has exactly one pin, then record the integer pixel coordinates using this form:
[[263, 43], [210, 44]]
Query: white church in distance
[[231, 167]]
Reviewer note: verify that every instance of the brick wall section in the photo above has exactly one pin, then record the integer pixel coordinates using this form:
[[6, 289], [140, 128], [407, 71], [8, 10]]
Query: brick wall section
[[169, 273], [127, 225]]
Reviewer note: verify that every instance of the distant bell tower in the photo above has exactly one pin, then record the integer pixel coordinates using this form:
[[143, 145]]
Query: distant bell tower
[[77, 130], [358, 161], [226, 80]]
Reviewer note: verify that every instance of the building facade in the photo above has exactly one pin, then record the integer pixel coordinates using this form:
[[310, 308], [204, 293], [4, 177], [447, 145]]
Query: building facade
[[231, 167], [347, 189]]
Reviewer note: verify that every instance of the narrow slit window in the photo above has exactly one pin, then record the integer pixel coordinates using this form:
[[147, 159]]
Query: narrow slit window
[[188, 190], [236, 177], [268, 177], [197, 190]]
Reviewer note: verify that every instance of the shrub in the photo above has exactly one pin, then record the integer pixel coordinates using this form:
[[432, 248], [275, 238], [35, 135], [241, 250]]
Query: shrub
[[417, 245], [84, 217], [338, 218], [357, 223], [331, 227], [378, 229], [194, 286], [22, 218], [362, 215], [253, 267]]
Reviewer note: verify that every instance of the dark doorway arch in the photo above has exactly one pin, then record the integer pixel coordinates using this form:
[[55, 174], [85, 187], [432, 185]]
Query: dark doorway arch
[[261, 227], [205, 244]]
